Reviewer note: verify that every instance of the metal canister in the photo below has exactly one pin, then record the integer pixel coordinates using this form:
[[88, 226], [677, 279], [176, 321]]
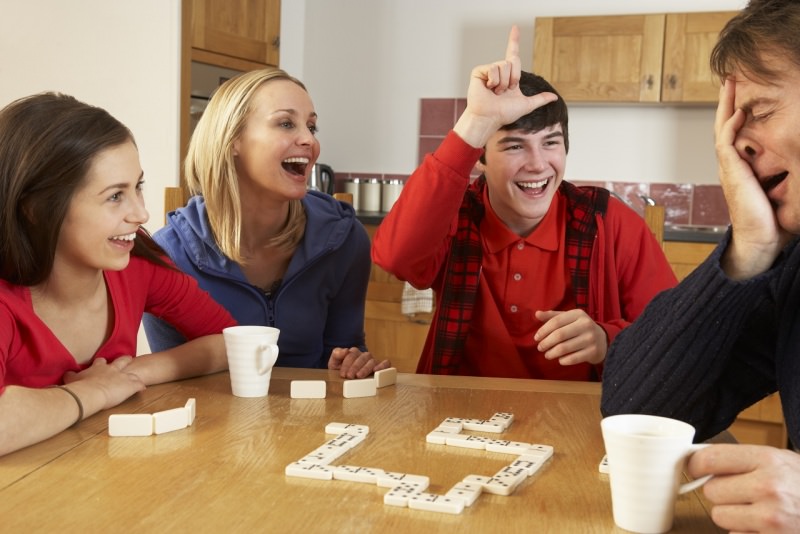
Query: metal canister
[[390, 191], [352, 186], [369, 196]]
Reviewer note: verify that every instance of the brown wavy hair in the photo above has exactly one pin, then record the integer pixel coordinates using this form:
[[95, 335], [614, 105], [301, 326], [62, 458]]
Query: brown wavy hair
[[48, 142]]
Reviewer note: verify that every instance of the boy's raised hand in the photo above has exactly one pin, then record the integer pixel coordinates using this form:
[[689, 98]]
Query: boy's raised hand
[[494, 98]]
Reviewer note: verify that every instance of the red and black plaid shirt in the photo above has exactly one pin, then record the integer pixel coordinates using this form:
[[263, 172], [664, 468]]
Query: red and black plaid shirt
[[463, 268]]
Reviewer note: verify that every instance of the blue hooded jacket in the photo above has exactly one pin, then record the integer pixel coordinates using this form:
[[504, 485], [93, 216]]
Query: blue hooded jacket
[[320, 303]]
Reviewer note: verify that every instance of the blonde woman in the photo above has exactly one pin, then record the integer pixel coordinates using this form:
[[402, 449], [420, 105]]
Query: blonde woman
[[267, 249]]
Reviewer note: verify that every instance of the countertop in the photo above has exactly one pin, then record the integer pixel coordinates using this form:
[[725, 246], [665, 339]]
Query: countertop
[[694, 233], [684, 232]]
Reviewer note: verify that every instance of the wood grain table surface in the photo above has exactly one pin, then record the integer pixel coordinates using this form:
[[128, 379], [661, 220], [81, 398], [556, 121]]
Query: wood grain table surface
[[225, 473]]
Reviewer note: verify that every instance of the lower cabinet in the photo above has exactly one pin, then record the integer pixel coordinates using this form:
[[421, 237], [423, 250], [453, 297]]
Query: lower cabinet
[[390, 334]]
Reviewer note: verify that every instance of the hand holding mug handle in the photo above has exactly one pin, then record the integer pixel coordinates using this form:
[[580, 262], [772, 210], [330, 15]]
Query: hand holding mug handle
[[265, 363], [694, 484]]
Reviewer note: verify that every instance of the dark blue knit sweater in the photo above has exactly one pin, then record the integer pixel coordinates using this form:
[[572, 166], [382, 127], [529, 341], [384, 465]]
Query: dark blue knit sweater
[[710, 347]]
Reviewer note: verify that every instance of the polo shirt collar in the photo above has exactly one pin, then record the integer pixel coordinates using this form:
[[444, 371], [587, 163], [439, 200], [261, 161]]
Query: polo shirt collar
[[497, 236]]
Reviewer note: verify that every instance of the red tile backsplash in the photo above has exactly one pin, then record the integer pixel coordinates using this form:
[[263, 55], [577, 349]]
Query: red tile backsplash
[[708, 206], [685, 203], [677, 200], [437, 116], [427, 145]]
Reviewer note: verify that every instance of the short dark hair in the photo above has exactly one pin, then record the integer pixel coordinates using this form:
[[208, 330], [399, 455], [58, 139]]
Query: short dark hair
[[764, 27], [540, 118], [47, 144]]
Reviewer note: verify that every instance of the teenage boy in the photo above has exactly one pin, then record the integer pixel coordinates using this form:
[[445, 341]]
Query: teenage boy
[[533, 276]]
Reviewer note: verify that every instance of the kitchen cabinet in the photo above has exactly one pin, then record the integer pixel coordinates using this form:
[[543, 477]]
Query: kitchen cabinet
[[238, 34], [629, 58], [390, 334], [241, 35], [684, 256], [762, 423]]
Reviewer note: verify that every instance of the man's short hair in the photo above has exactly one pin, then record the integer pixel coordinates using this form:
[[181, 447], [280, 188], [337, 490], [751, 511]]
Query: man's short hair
[[763, 28]]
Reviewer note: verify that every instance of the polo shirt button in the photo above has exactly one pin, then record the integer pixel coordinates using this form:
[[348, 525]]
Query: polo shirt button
[[513, 309], [520, 246], [517, 277]]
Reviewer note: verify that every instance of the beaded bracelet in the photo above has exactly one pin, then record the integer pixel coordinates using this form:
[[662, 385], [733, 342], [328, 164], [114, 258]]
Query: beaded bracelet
[[77, 399]]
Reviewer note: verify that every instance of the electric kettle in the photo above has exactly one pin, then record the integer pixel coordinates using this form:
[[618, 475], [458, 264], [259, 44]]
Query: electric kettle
[[321, 178]]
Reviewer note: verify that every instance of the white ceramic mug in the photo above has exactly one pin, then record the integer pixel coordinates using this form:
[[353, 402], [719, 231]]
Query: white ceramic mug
[[252, 352], [646, 458]]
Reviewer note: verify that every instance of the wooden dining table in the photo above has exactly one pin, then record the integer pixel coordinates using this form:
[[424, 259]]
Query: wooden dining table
[[226, 472]]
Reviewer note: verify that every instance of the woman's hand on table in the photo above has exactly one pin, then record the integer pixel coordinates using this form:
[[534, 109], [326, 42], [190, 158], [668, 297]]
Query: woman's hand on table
[[104, 384], [352, 363]]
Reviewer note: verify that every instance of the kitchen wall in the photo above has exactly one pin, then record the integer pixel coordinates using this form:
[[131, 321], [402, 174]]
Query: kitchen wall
[[368, 64], [122, 55]]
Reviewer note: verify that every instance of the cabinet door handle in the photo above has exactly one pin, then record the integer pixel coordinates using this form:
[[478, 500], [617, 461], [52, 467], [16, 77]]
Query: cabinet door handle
[[276, 43], [648, 82], [672, 81]]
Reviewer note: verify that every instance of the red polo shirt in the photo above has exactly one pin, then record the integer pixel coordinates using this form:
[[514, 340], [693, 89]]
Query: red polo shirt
[[511, 290]]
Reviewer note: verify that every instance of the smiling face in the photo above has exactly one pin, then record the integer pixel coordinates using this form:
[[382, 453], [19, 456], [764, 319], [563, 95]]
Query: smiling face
[[277, 147], [104, 214], [770, 138], [523, 172]]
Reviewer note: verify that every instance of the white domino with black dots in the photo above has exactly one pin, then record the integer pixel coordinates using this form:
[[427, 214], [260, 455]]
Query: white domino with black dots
[[147, 424], [351, 389], [408, 490]]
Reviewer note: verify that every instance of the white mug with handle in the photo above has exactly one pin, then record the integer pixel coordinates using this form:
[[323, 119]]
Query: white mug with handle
[[252, 352], [646, 458]]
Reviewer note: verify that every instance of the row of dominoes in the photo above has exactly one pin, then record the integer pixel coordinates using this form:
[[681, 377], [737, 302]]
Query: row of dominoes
[[366, 387], [408, 490], [145, 424], [449, 433]]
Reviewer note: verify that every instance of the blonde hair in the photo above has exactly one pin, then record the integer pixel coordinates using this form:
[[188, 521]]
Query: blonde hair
[[211, 171]]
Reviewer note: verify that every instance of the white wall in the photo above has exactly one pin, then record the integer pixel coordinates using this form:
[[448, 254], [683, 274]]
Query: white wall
[[367, 63], [122, 55]]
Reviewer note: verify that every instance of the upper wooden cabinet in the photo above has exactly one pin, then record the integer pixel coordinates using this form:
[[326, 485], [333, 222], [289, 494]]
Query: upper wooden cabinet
[[238, 34], [629, 58]]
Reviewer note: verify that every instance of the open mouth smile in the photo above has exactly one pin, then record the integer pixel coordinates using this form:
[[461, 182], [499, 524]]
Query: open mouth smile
[[125, 237], [538, 186], [295, 165]]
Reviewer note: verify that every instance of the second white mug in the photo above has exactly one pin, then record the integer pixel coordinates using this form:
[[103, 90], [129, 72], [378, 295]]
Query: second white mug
[[646, 458]]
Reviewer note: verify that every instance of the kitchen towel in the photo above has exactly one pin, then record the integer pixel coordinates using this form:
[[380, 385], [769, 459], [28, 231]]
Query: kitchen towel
[[416, 301]]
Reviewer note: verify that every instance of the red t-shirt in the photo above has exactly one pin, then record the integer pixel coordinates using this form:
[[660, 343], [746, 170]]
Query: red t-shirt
[[32, 356]]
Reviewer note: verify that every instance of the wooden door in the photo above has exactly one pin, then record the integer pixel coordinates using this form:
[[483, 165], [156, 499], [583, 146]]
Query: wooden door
[[601, 59], [242, 29], [688, 41]]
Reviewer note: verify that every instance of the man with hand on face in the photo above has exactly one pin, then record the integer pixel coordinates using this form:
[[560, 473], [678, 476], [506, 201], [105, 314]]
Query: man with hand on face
[[533, 276], [729, 335]]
